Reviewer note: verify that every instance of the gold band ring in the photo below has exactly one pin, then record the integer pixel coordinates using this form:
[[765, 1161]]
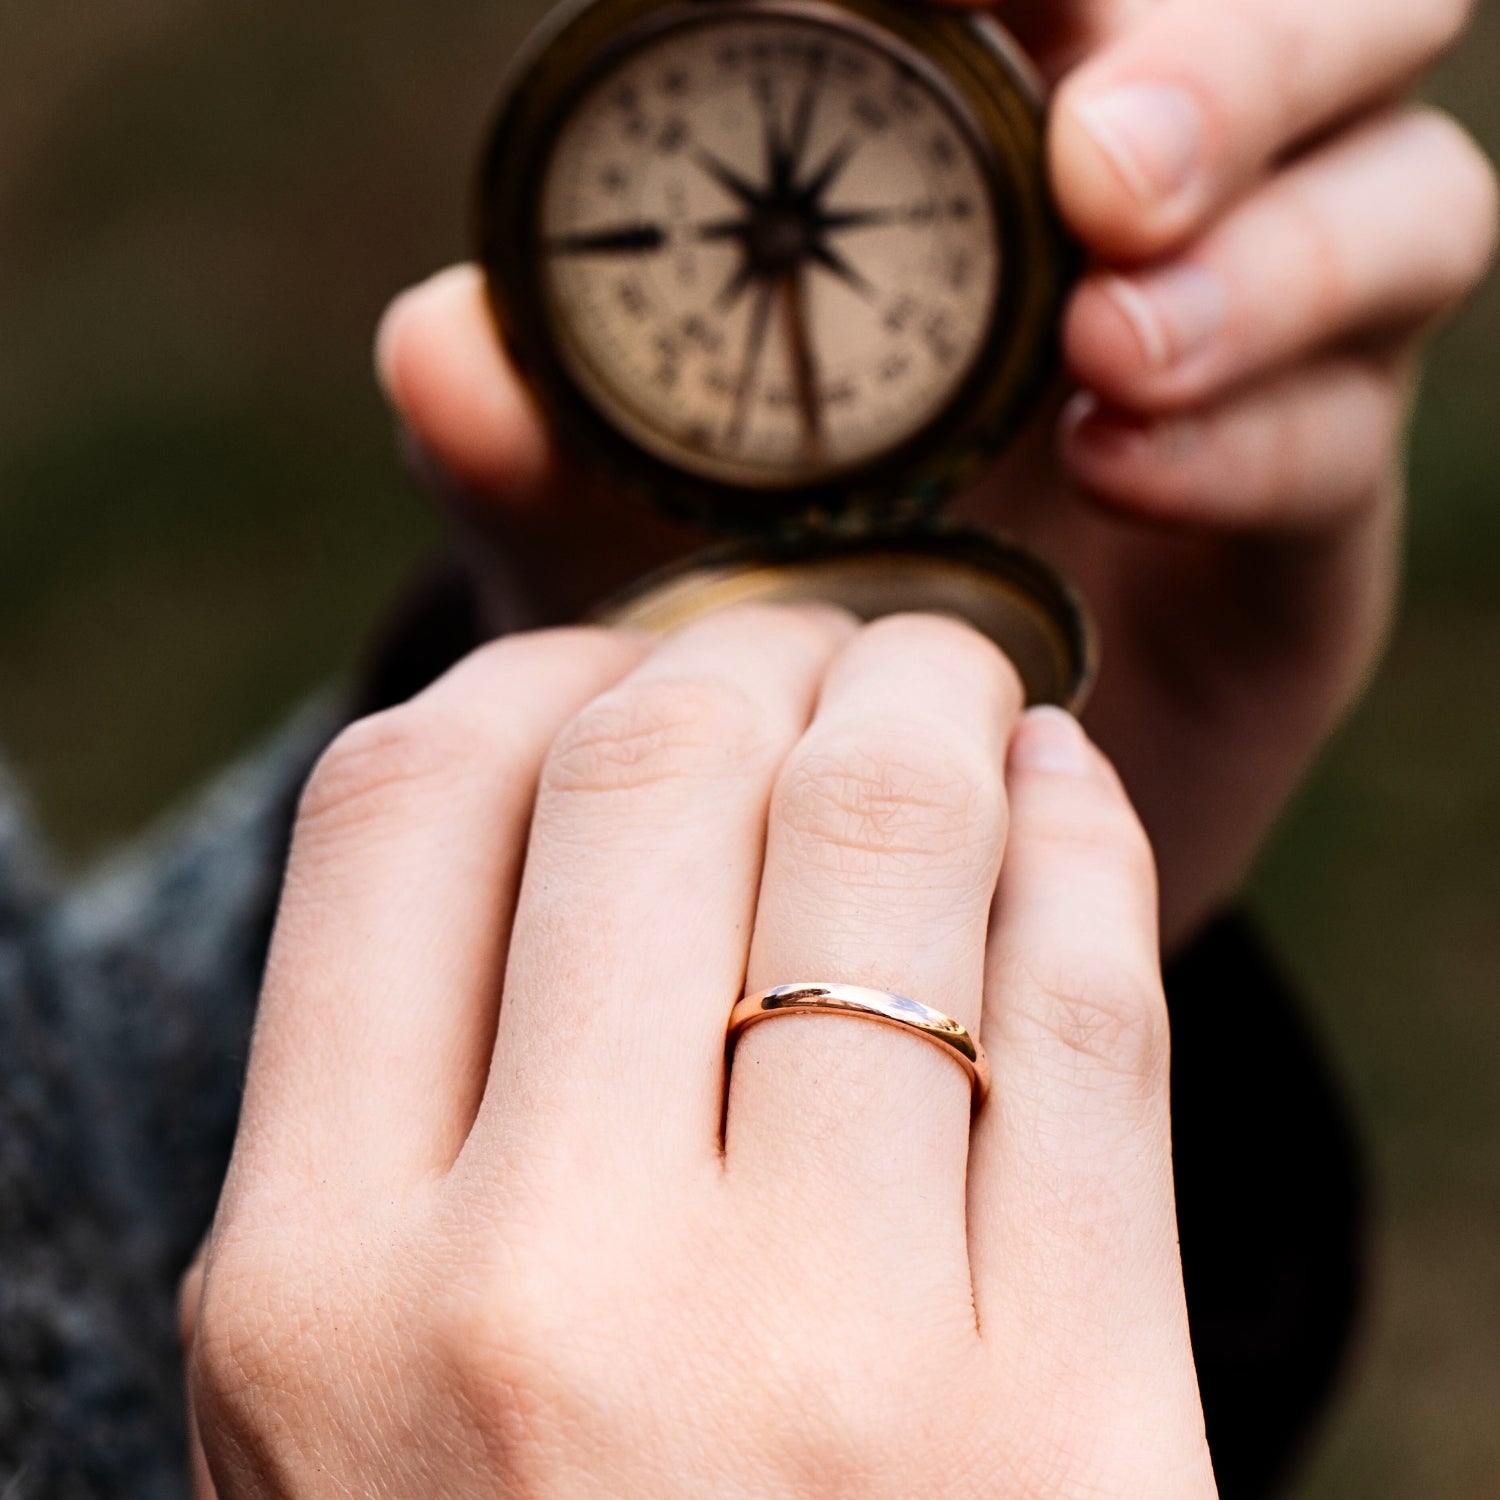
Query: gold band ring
[[871, 1005]]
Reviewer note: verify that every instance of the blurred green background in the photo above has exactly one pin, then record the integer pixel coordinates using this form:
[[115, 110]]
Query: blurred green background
[[203, 209]]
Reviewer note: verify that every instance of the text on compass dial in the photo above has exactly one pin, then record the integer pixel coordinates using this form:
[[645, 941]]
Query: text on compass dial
[[771, 251]]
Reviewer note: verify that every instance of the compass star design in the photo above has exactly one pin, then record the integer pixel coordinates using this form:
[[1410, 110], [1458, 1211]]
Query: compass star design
[[785, 229], [786, 224], [740, 322]]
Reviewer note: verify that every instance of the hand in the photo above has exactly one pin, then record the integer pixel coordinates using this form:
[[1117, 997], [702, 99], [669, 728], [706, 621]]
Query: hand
[[1273, 239], [473, 1248]]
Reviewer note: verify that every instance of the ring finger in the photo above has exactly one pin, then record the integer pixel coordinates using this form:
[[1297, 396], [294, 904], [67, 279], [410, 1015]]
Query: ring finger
[[883, 851], [1309, 449]]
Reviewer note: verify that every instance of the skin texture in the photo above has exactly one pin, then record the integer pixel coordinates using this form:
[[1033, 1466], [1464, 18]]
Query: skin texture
[[1274, 238], [499, 1220]]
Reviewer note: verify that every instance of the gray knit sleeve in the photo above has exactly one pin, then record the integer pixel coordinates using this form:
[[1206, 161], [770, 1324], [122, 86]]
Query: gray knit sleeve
[[125, 1011]]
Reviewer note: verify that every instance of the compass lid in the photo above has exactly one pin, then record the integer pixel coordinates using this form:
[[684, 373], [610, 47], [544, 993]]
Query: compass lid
[[776, 262]]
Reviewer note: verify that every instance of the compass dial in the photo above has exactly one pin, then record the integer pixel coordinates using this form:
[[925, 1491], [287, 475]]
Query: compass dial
[[771, 250]]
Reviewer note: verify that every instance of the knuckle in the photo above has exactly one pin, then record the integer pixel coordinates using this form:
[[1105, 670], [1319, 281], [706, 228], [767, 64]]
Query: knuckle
[[1283, 451], [851, 1441], [807, 626], [391, 759], [952, 646], [1316, 247], [1291, 468], [242, 1355], [897, 789], [523, 1358], [648, 733], [223, 1369], [493, 1345], [1107, 1021], [967, 683], [495, 670], [1102, 1006], [189, 1296], [855, 1438]]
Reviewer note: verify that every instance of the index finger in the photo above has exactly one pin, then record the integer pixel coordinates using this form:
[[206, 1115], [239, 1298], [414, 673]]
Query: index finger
[[1188, 107], [373, 1035]]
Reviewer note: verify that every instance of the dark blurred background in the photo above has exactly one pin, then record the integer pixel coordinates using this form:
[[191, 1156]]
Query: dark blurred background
[[203, 209]]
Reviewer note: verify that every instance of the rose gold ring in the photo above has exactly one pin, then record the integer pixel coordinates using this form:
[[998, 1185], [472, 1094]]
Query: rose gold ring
[[870, 1005]]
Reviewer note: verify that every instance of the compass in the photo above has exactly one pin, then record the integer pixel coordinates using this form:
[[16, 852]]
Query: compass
[[789, 269]]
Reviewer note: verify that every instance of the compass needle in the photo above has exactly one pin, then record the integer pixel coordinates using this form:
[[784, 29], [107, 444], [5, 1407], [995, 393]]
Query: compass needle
[[722, 229], [862, 218], [807, 106], [804, 365], [842, 220], [735, 288], [778, 155], [830, 259], [832, 169], [727, 177], [755, 344], [631, 239]]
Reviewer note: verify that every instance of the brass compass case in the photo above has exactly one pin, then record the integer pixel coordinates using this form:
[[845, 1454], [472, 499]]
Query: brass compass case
[[789, 268]]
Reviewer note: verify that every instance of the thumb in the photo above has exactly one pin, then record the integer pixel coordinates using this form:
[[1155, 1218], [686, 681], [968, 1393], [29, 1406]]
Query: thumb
[[442, 368]]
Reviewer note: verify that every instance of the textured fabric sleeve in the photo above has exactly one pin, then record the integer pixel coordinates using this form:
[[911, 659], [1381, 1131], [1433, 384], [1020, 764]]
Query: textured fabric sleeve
[[125, 1011], [80, 1391]]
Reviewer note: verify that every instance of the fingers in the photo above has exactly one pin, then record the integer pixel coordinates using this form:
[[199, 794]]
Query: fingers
[[634, 918], [1324, 251], [1306, 451], [886, 834], [1071, 1205], [374, 1030], [1188, 107], [443, 369]]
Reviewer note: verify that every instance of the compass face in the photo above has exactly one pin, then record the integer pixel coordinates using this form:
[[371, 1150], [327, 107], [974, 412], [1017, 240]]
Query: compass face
[[771, 247]]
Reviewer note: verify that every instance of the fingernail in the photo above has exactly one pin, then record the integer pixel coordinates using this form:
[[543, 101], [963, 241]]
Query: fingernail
[[1152, 132], [1051, 740], [1089, 424], [1107, 433], [1175, 312]]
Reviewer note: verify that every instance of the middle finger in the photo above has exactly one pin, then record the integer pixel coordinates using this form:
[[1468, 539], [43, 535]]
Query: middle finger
[[633, 919], [1322, 253]]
